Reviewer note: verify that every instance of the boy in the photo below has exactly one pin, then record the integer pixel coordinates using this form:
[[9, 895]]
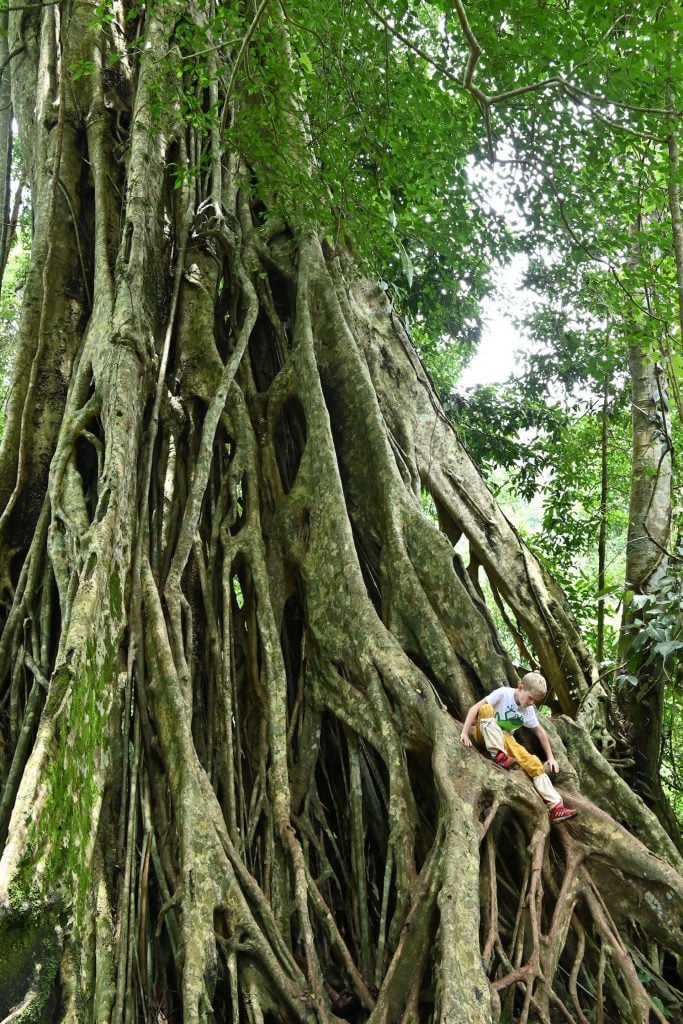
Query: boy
[[494, 720]]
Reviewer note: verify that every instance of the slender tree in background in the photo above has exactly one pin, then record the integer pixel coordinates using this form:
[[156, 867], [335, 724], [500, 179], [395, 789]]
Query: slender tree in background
[[648, 545], [235, 649], [641, 693], [602, 527]]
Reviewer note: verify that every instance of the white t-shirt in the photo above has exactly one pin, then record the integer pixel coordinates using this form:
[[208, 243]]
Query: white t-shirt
[[507, 711]]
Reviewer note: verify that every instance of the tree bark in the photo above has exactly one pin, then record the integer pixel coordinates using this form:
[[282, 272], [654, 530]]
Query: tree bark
[[5, 143], [235, 649], [602, 530], [641, 691]]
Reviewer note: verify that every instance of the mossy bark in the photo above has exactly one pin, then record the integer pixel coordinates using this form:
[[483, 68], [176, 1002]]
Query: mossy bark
[[242, 795], [641, 681]]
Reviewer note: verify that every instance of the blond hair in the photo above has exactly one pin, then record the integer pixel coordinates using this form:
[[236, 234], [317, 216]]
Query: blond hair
[[535, 684]]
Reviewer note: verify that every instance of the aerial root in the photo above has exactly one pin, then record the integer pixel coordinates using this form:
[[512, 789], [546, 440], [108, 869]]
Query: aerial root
[[582, 946], [326, 918], [278, 763], [32, 575], [203, 838], [407, 964]]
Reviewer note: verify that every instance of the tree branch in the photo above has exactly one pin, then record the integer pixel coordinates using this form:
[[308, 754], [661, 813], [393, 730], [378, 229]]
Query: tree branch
[[487, 101], [238, 60]]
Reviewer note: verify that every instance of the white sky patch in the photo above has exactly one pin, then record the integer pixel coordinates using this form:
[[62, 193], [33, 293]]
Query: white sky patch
[[502, 344], [497, 353]]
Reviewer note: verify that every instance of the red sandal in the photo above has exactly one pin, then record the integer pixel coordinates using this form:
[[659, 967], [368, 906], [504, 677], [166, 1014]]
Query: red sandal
[[503, 760], [561, 813]]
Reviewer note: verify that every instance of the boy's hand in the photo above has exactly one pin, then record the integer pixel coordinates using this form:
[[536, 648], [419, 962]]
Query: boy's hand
[[465, 739], [552, 765]]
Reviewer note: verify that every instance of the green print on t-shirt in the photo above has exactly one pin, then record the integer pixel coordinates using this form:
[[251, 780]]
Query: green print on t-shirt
[[513, 719]]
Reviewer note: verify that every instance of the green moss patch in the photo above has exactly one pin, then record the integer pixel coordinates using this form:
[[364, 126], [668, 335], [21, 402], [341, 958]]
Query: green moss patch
[[63, 831]]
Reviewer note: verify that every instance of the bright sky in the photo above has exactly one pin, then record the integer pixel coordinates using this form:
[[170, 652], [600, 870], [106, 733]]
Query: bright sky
[[495, 358], [501, 342]]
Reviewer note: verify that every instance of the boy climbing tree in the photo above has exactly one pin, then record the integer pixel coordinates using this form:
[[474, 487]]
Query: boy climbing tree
[[493, 721]]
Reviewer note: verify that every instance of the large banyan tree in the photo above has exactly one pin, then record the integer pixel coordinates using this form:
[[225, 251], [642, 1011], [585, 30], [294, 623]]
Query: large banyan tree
[[235, 648]]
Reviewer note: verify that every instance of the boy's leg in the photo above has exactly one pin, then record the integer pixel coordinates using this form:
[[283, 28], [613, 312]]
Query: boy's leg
[[533, 767], [487, 733], [546, 789]]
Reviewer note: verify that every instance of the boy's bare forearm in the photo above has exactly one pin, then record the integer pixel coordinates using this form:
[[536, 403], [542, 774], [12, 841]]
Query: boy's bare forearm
[[545, 742], [470, 718]]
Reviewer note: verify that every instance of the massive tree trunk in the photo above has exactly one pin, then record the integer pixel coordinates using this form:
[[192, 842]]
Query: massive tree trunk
[[235, 649]]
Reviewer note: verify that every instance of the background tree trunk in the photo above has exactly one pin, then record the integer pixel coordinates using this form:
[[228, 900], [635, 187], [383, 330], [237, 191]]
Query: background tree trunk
[[642, 688], [235, 648], [602, 529], [5, 143]]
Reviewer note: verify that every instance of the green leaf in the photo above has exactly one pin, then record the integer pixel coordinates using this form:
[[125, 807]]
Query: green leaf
[[81, 69], [406, 264], [666, 647], [631, 680], [305, 61]]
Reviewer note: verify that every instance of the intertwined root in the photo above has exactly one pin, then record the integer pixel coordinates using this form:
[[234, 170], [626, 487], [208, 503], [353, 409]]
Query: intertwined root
[[236, 647], [285, 820]]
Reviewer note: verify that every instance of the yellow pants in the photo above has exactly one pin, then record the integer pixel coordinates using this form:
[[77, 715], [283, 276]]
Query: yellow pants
[[493, 739]]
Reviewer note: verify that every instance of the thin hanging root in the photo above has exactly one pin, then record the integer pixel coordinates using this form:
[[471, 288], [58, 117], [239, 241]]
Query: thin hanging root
[[251, 998], [263, 908], [402, 813], [415, 938], [521, 918], [105, 975], [411, 1014], [21, 752], [574, 974], [73, 429], [313, 971], [204, 827], [143, 914], [381, 945], [233, 787], [126, 902], [556, 1001], [532, 969], [327, 919], [166, 916], [637, 996], [599, 996], [29, 579], [488, 820], [515, 632], [492, 937], [358, 847], [561, 922]]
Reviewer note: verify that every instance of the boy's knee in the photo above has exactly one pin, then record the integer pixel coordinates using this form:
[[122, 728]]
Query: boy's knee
[[535, 767], [486, 711]]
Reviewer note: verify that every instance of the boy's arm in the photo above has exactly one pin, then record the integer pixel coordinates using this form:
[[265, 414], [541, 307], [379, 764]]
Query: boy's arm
[[539, 731], [470, 719]]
